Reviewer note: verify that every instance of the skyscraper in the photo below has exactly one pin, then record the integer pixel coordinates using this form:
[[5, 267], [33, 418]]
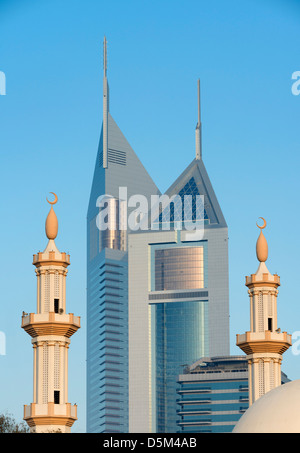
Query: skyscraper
[[157, 296], [117, 166]]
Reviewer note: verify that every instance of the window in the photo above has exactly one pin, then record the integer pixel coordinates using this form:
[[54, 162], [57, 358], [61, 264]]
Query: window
[[270, 324], [56, 305], [56, 396]]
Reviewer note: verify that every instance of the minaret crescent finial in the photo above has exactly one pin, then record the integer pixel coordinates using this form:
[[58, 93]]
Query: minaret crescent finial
[[51, 226], [55, 199], [264, 225], [198, 128], [261, 244]]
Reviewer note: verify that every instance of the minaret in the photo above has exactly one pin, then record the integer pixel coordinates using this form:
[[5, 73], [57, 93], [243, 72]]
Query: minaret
[[264, 344], [50, 328]]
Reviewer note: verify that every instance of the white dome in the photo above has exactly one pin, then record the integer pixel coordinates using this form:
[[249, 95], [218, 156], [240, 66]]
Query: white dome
[[275, 412]]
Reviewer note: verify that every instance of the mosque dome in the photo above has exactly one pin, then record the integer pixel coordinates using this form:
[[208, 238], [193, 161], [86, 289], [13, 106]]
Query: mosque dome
[[277, 411]]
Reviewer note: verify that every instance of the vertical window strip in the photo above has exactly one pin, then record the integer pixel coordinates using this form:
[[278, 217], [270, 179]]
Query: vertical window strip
[[56, 367], [260, 313], [56, 285], [47, 293], [45, 373], [261, 378]]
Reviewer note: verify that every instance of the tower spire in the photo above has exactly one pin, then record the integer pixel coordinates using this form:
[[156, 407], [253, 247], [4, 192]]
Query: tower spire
[[105, 56], [105, 106], [198, 128]]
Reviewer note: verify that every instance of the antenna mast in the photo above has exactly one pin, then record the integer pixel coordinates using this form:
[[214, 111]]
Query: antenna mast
[[105, 106], [198, 128]]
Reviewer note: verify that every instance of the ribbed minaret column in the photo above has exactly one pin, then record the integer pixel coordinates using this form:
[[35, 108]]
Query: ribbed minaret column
[[50, 328], [264, 344]]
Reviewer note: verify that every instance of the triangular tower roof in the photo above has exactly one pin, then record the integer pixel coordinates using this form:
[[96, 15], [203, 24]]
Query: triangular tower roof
[[194, 180]]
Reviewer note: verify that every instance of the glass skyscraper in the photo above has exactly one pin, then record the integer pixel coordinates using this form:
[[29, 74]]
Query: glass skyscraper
[[117, 166], [157, 298]]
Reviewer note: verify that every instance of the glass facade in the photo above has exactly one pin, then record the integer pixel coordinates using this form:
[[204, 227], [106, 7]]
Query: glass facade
[[213, 395], [107, 353], [179, 268], [181, 336]]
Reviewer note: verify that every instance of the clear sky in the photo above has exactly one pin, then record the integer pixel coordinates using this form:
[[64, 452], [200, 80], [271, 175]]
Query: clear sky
[[50, 120]]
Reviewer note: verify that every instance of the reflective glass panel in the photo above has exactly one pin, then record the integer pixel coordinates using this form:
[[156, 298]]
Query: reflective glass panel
[[179, 268]]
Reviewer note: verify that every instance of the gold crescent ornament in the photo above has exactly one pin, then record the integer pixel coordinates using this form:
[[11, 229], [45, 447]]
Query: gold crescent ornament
[[261, 244], [55, 199], [51, 225], [264, 225]]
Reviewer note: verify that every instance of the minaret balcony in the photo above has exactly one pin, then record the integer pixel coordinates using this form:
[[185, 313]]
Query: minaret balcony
[[50, 414], [39, 324], [264, 342]]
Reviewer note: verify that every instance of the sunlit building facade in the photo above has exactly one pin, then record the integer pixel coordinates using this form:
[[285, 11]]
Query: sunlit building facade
[[178, 304]]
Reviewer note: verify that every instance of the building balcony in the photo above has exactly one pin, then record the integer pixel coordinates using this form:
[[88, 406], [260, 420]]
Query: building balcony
[[264, 342], [50, 414], [38, 324], [51, 257]]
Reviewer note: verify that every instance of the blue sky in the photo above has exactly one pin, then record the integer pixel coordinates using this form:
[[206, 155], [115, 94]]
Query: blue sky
[[50, 120]]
